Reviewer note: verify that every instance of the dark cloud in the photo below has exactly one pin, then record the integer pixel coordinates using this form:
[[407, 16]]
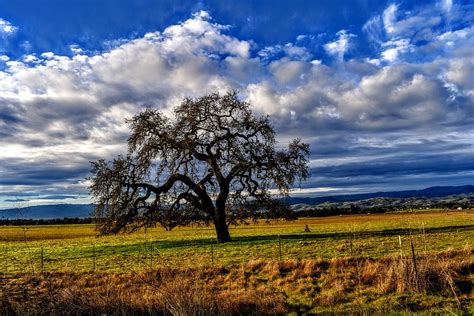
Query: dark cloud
[[401, 117], [57, 197], [42, 173], [400, 165], [16, 200]]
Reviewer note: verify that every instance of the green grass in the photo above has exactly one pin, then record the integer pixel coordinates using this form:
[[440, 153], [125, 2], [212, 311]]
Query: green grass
[[73, 247]]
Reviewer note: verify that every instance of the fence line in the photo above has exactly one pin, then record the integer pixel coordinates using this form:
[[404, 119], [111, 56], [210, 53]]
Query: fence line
[[152, 254]]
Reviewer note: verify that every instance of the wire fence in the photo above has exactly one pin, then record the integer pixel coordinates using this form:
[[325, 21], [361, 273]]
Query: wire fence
[[152, 254], [120, 258]]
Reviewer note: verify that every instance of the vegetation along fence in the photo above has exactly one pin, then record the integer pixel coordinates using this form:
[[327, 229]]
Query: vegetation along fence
[[139, 255]]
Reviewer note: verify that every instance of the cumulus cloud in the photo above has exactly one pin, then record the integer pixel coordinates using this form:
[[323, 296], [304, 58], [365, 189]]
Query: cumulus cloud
[[59, 112], [6, 28], [393, 49]]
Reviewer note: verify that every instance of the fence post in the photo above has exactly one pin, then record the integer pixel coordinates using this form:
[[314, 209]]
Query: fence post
[[402, 262], [400, 244], [42, 260]]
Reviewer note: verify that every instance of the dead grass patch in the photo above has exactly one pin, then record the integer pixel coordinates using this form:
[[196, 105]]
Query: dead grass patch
[[256, 287]]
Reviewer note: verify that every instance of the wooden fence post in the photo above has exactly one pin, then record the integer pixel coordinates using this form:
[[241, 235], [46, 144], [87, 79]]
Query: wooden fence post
[[404, 267], [401, 250]]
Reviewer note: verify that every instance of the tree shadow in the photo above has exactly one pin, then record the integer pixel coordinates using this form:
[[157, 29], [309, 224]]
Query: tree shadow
[[262, 239], [205, 243]]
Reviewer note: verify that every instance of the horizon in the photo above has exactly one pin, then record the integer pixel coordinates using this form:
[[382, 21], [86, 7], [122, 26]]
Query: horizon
[[382, 91], [25, 203]]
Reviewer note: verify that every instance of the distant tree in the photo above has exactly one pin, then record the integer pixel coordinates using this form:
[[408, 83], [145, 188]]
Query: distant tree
[[212, 160]]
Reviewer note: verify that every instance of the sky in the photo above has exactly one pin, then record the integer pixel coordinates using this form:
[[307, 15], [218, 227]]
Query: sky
[[383, 91]]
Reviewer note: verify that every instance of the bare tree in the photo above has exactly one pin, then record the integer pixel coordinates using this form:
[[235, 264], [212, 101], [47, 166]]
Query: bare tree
[[213, 160]]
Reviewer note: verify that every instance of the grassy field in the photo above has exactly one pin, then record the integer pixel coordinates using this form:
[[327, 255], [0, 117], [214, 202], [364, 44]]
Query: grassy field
[[78, 248], [345, 264], [442, 284]]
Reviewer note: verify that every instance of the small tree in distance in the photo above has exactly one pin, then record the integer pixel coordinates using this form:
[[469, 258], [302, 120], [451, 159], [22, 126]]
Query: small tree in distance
[[213, 160]]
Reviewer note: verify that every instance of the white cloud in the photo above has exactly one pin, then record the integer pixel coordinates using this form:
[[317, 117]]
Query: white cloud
[[389, 18], [374, 28], [29, 58], [301, 37], [290, 50], [286, 71], [57, 108], [373, 61], [75, 49], [447, 5], [423, 33], [393, 49], [54, 107], [460, 72], [296, 52], [48, 55], [199, 34], [6, 28], [453, 36], [340, 46]]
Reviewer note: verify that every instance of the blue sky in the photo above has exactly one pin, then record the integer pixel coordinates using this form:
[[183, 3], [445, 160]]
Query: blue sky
[[54, 25], [382, 90]]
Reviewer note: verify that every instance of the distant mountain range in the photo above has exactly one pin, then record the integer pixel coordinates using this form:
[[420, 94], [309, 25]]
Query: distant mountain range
[[431, 192], [48, 211], [85, 210]]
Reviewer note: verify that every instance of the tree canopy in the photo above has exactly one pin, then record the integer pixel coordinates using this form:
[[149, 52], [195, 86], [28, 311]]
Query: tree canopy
[[211, 160]]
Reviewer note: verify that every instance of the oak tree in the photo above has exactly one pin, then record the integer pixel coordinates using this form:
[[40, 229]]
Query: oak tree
[[211, 160]]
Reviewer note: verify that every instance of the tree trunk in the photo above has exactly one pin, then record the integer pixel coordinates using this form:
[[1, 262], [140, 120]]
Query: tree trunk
[[222, 230]]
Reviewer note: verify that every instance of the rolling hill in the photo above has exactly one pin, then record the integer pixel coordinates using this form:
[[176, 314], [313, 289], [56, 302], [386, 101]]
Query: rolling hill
[[84, 210]]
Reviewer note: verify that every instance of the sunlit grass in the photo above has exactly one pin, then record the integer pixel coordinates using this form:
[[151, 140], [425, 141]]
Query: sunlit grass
[[79, 248]]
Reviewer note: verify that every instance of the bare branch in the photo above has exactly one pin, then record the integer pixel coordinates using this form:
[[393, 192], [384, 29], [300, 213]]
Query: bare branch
[[213, 160]]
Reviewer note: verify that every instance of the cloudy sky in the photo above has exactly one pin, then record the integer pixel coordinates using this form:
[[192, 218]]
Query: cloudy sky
[[383, 91]]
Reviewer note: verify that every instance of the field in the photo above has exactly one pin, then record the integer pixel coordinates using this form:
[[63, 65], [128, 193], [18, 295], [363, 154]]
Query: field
[[70, 250], [76, 247]]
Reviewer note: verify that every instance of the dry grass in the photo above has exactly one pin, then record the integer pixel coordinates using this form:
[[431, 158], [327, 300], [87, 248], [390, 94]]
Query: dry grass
[[75, 248], [351, 284], [434, 273], [412, 219], [162, 292]]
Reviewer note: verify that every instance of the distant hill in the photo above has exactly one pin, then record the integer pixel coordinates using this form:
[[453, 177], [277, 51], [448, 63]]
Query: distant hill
[[48, 211], [431, 192], [84, 210]]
